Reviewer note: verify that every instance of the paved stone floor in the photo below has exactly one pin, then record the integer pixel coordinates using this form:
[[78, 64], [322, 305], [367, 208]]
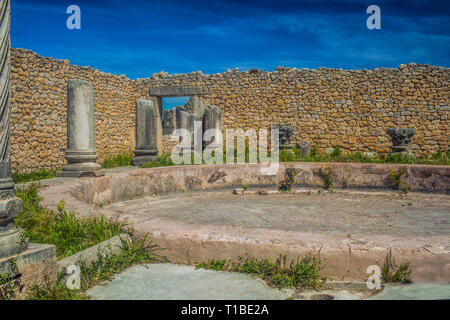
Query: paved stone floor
[[178, 282], [331, 213], [353, 229], [173, 282]]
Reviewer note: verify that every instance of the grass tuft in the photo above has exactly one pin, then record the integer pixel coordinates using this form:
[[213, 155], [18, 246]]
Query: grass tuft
[[162, 161], [69, 233], [133, 252], [21, 177], [55, 291], [300, 273], [393, 273], [104, 268], [120, 159]]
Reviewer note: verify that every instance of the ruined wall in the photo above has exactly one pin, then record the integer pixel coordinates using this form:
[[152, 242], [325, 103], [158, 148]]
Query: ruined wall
[[331, 107], [39, 105], [328, 107]]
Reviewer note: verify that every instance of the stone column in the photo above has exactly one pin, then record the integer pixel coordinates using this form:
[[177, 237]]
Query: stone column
[[80, 154], [36, 263], [212, 119], [169, 122], [181, 116], [146, 132], [10, 205]]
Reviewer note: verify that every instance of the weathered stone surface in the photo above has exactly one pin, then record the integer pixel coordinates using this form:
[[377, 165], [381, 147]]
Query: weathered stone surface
[[80, 154], [146, 132]]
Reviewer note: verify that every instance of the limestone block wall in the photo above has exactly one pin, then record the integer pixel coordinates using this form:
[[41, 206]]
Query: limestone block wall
[[39, 110], [332, 107], [328, 107]]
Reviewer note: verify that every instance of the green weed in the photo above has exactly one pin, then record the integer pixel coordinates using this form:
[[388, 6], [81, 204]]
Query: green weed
[[325, 174], [120, 159], [299, 273], [8, 282], [21, 177], [162, 161], [396, 177], [104, 268], [393, 273], [69, 233]]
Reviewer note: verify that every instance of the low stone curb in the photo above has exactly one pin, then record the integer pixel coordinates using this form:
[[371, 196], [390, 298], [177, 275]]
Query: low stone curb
[[347, 285], [89, 255]]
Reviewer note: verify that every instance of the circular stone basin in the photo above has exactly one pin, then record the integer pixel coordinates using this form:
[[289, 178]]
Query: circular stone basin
[[191, 212]]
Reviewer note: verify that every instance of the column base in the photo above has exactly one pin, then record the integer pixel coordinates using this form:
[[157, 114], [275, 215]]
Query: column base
[[77, 170], [138, 161], [9, 209], [11, 242], [142, 156], [404, 150]]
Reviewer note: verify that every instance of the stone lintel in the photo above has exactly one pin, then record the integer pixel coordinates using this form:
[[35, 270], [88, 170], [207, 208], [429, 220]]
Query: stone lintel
[[171, 91]]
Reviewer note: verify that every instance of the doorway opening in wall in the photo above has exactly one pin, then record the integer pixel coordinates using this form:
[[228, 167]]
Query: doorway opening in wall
[[171, 102]]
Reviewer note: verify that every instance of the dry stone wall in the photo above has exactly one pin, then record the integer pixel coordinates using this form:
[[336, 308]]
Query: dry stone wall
[[332, 107], [39, 110], [328, 107]]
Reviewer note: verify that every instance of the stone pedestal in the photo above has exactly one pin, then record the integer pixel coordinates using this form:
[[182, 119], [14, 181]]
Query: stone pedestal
[[401, 138], [212, 119], [80, 154], [304, 147], [146, 126], [285, 132]]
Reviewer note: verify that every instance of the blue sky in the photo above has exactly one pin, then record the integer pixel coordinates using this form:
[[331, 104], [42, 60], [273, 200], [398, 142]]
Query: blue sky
[[138, 37]]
